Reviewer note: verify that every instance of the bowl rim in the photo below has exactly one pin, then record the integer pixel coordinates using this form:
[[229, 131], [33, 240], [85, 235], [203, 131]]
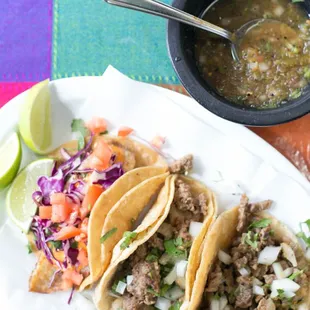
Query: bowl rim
[[214, 102]]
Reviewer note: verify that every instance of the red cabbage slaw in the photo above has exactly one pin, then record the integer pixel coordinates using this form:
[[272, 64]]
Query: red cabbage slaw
[[68, 179]]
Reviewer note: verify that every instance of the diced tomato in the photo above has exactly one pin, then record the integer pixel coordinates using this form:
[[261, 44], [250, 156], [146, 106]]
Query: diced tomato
[[58, 199], [158, 141], [82, 258], [103, 152], [60, 213], [73, 276], [45, 212], [92, 194], [124, 131], [97, 125], [67, 232]]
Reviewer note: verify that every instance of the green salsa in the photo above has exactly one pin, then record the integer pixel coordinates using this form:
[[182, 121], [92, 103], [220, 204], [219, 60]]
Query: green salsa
[[274, 65]]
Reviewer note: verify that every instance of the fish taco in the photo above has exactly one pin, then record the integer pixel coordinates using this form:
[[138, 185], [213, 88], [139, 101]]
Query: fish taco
[[251, 260], [155, 265], [89, 178]]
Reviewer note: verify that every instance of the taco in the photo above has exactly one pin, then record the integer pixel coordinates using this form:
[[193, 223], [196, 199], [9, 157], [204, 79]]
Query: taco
[[251, 261], [155, 264], [75, 200]]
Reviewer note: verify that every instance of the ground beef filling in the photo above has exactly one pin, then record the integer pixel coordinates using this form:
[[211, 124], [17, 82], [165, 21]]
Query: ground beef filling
[[154, 260], [227, 280]]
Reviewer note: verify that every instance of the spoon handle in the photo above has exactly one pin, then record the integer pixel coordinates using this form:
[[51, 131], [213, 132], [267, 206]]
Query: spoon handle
[[160, 9]]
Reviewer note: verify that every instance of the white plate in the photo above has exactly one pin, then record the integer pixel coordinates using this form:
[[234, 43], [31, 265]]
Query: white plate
[[228, 158]]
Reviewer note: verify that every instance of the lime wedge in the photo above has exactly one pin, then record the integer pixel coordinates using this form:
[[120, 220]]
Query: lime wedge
[[19, 203], [35, 118], [10, 158]]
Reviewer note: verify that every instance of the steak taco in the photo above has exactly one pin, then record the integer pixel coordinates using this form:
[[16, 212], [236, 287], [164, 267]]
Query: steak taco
[[251, 261], [74, 201], [155, 265]]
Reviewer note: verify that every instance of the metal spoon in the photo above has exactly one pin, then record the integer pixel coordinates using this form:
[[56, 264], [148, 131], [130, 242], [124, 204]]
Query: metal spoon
[[160, 9]]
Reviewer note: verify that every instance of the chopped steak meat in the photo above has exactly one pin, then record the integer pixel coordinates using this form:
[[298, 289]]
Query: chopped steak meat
[[242, 220], [183, 165], [266, 304], [244, 296], [259, 206], [130, 302], [182, 231], [215, 279], [146, 276], [156, 243], [138, 255], [183, 198], [202, 202]]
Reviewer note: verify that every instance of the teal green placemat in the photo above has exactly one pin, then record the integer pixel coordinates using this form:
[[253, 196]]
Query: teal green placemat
[[88, 35]]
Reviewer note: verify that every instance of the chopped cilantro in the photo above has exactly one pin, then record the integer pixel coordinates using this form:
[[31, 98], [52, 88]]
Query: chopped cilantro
[[171, 247], [281, 293], [56, 244], [295, 275], [308, 223], [74, 245], [260, 223], [165, 269], [108, 234], [296, 93], [307, 73], [104, 133], [29, 248], [128, 238], [216, 296], [303, 236], [296, 1], [151, 258], [250, 239], [78, 126], [164, 289], [153, 292], [176, 306]]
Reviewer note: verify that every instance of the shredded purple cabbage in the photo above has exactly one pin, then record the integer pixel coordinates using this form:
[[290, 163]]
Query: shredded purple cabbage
[[39, 228], [65, 154], [53, 278], [70, 253], [107, 177], [71, 295]]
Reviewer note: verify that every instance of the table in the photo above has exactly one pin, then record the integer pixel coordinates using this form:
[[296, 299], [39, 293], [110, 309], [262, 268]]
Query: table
[[63, 38]]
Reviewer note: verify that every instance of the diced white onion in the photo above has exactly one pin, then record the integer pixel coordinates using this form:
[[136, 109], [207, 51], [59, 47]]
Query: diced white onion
[[308, 254], [181, 268], [129, 279], [195, 228], [121, 287], [289, 254], [278, 270], [174, 294], [171, 277], [215, 304], [224, 257], [289, 294], [263, 67], [223, 302], [244, 272], [269, 255], [257, 282], [162, 303], [286, 285], [257, 290], [279, 10], [288, 271], [180, 281]]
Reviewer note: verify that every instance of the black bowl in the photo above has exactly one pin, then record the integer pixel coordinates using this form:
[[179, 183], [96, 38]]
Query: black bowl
[[181, 40]]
